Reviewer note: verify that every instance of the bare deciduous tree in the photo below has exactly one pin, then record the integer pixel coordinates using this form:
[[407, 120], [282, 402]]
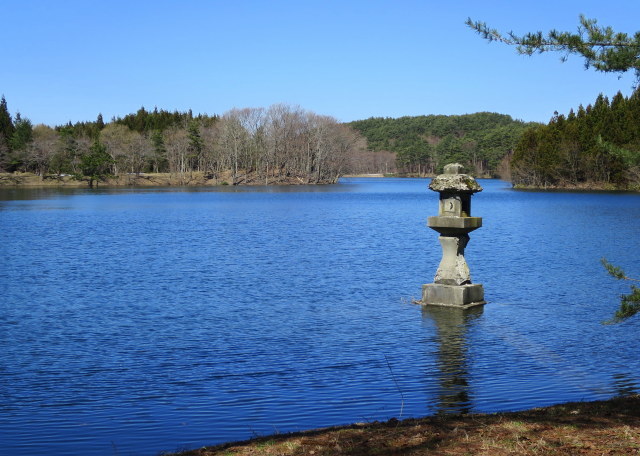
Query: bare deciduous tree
[[42, 148]]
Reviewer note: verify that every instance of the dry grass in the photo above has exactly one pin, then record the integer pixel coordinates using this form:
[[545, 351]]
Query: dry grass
[[124, 180], [591, 428], [189, 179]]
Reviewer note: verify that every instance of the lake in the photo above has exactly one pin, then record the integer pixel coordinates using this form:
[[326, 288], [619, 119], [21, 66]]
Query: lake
[[135, 321]]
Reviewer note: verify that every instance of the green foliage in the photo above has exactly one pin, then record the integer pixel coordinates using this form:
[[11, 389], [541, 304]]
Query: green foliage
[[6, 124], [82, 129], [22, 134], [66, 150], [6, 132], [196, 145], [68, 154], [614, 271], [95, 164], [601, 47], [100, 122], [629, 303], [14, 151], [424, 144], [144, 121], [600, 145], [159, 151]]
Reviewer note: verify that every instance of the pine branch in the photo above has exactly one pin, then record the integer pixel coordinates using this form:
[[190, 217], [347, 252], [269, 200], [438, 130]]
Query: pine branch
[[629, 303], [602, 48], [615, 271]]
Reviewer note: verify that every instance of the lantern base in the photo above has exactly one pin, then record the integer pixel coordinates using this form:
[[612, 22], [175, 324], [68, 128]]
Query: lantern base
[[462, 296]]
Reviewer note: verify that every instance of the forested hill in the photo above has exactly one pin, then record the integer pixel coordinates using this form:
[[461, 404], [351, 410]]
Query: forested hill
[[595, 147], [424, 144]]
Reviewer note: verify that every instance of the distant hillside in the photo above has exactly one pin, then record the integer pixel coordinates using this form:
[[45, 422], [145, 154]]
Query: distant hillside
[[424, 144]]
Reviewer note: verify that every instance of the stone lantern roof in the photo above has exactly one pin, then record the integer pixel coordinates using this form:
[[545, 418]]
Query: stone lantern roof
[[453, 181]]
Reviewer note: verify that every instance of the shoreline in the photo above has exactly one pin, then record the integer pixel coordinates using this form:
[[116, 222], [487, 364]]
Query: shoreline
[[199, 179], [193, 179], [584, 187], [609, 426]]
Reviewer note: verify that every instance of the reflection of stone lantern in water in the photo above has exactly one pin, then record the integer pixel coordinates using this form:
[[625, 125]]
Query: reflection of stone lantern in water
[[455, 394], [452, 284]]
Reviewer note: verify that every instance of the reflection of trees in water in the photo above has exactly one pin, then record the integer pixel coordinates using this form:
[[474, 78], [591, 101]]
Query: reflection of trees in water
[[451, 324]]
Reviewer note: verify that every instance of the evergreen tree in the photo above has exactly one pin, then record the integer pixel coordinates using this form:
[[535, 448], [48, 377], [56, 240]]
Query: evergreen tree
[[6, 132], [6, 124], [100, 122], [22, 134], [159, 151], [196, 144], [15, 156], [95, 164]]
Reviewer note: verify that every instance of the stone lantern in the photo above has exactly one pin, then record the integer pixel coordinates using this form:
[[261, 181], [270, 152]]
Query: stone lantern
[[452, 284]]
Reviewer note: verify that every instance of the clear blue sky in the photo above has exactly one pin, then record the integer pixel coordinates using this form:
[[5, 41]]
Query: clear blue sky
[[70, 60]]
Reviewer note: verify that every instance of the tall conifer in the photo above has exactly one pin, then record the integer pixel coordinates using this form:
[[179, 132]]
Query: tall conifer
[[6, 123]]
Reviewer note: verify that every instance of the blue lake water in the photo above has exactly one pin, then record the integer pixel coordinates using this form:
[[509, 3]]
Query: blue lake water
[[135, 321]]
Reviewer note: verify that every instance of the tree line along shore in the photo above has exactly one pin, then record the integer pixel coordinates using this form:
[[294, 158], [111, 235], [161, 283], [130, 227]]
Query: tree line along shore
[[597, 147]]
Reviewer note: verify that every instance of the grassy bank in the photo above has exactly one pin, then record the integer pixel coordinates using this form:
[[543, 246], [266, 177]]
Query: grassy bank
[[586, 187], [191, 179], [609, 427]]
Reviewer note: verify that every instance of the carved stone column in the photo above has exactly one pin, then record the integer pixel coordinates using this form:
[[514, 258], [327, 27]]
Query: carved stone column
[[453, 269]]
